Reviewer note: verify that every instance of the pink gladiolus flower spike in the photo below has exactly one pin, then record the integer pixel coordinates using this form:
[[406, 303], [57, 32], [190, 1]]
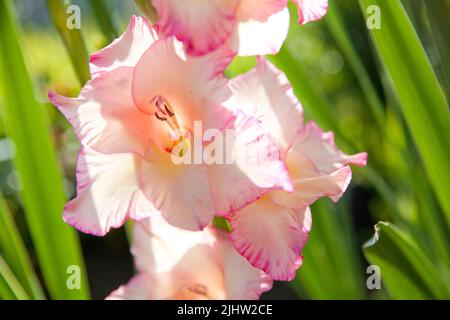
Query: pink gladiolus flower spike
[[179, 264], [249, 27], [145, 95], [272, 231]]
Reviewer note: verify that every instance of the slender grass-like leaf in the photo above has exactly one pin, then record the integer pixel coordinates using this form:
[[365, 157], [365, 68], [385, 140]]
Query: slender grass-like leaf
[[336, 26], [330, 269], [417, 88], [10, 288], [103, 18], [438, 12], [431, 221], [72, 38], [433, 235], [42, 192], [405, 269], [13, 250]]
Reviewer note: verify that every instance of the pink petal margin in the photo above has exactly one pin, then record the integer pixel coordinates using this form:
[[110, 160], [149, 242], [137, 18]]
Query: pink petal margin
[[311, 10]]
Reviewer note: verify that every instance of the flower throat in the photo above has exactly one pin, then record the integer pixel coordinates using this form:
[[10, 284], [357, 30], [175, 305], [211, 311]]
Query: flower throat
[[165, 113]]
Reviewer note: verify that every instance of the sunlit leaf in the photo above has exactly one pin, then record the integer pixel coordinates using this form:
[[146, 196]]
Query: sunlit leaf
[[13, 250], [104, 19], [42, 192], [417, 88], [10, 288], [71, 37], [330, 268], [405, 269], [338, 29]]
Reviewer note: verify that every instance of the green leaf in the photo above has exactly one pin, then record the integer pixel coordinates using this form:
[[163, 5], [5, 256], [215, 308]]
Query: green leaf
[[336, 26], [72, 38], [439, 17], [10, 288], [42, 192], [13, 250], [433, 231], [330, 268], [104, 19], [417, 88], [405, 269]]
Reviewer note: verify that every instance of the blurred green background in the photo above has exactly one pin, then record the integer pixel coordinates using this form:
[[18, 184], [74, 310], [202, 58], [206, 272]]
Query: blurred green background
[[384, 91]]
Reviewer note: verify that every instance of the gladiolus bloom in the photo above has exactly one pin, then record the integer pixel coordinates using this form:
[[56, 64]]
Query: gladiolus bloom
[[272, 231], [249, 27], [179, 264], [144, 98]]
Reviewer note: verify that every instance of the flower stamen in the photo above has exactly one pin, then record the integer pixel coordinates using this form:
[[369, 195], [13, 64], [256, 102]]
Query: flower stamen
[[165, 113]]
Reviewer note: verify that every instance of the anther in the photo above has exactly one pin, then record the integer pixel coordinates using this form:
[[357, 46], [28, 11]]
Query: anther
[[160, 117], [165, 113], [169, 112]]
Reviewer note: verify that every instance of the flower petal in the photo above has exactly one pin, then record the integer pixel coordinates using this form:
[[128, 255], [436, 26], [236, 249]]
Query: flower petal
[[317, 168], [177, 260], [126, 50], [319, 146], [104, 116], [173, 261], [195, 87], [180, 191], [271, 237], [266, 94], [255, 37], [107, 193], [158, 246], [251, 166], [242, 281], [140, 287], [202, 25], [310, 184], [311, 10]]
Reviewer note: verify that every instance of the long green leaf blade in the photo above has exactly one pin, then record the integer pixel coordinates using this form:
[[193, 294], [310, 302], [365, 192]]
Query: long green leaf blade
[[439, 17], [72, 38], [13, 250], [405, 269], [10, 288], [103, 18], [330, 269], [337, 28], [417, 88], [43, 197]]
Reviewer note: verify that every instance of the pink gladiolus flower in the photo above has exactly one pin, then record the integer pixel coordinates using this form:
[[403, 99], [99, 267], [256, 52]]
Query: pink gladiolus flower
[[144, 98], [250, 27], [272, 231], [179, 264]]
